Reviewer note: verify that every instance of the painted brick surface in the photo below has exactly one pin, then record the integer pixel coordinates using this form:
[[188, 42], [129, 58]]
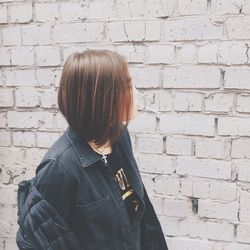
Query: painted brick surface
[[189, 59]]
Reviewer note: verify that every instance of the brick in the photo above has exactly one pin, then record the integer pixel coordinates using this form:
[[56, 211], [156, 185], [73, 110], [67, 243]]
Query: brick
[[192, 227], [246, 8], [243, 102], [137, 8], [185, 243], [5, 57], [11, 157], [212, 148], [6, 98], [79, 32], [20, 77], [33, 34], [123, 9], [148, 100], [145, 77], [223, 53], [45, 77], [10, 243], [240, 148], [243, 233], [20, 13], [135, 30], [6, 212], [195, 187], [3, 120], [116, 31], [144, 122], [244, 170], [3, 13], [150, 144], [24, 139], [238, 27], [34, 156], [26, 97], [100, 9], [191, 77], [8, 173], [2, 79], [234, 126], [244, 206], [221, 190], [186, 124], [200, 188], [60, 121], [218, 210], [186, 186], [192, 29], [163, 54], [192, 7], [237, 78], [5, 230], [153, 30], [22, 56], [186, 101], [220, 231], [211, 168], [165, 100], [12, 36], [166, 185], [225, 7], [46, 12], [46, 139], [26, 119], [186, 53], [57, 77], [159, 8], [146, 163], [170, 226], [48, 98], [48, 56], [156, 203], [177, 208], [5, 138], [9, 1], [178, 145], [76, 11], [132, 53], [8, 195], [219, 102]]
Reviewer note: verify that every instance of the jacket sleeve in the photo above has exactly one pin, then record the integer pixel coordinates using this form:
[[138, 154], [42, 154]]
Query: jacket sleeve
[[56, 186], [44, 217], [152, 237]]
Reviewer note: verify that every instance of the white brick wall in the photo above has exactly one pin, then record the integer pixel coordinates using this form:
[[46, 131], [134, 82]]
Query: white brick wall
[[190, 61]]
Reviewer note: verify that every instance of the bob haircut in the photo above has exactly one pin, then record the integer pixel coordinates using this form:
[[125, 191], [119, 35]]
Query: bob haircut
[[95, 95]]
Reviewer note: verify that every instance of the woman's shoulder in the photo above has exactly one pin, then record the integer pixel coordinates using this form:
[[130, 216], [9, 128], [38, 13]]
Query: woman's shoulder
[[60, 154]]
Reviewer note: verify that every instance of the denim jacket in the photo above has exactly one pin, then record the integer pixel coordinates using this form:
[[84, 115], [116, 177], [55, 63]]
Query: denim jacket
[[76, 203]]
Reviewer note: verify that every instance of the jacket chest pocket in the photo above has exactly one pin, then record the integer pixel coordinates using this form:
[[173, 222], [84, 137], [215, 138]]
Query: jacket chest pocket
[[99, 221]]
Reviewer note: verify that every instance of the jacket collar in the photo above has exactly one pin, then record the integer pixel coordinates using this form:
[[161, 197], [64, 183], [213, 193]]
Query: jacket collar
[[88, 157], [84, 151]]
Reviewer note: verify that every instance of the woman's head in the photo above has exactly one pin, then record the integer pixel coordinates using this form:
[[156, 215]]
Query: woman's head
[[96, 95]]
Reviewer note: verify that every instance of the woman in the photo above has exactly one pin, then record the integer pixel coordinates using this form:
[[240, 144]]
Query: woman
[[88, 192]]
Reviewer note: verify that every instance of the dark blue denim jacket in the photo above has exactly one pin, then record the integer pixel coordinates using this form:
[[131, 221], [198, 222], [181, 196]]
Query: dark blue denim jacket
[[74, 183]]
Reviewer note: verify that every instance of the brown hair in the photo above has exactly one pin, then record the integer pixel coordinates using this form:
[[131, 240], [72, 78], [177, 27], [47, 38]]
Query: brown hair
[[95, 94]]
